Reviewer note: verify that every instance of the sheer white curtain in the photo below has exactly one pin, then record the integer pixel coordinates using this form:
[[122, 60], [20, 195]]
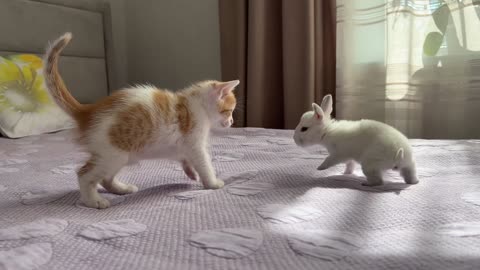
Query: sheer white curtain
[[414, 64]]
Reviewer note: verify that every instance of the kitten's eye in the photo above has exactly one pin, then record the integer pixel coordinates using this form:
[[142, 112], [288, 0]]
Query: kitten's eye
[[304, 129], [226, 111]]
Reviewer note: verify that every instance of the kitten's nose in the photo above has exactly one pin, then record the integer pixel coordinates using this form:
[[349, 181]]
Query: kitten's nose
[[231, 121]]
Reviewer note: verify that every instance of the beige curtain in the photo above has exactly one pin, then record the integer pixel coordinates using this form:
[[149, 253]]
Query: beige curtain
[[284, 54], [414, 64]]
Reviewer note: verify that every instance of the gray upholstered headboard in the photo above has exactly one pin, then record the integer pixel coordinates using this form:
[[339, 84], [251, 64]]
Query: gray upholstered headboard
[[26, 26]]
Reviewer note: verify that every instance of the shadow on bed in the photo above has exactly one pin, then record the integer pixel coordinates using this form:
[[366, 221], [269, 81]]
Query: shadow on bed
[[355, 212], [69, 197], [160, 190], [342, 182]]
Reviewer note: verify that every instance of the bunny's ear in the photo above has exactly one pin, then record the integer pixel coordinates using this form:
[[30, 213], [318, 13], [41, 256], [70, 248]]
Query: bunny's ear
[[327, 104], [319, 114]]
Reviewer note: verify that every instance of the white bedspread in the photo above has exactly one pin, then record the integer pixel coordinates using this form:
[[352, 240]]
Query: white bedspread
[[275, 212]]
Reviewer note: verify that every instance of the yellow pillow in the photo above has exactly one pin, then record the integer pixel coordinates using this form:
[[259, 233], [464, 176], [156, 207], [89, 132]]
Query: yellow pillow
[[26, 107]]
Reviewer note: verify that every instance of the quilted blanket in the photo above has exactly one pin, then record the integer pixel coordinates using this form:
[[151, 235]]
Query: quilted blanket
[[276, 210]]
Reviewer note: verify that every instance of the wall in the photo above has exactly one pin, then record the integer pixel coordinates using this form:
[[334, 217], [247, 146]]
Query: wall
[[119, 33], [171, 43]]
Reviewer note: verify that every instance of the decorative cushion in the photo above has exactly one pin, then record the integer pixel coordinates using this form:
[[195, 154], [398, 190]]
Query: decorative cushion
[[26, 107]]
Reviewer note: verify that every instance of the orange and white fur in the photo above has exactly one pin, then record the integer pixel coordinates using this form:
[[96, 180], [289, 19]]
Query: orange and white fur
[[375, 145], [142, 123]]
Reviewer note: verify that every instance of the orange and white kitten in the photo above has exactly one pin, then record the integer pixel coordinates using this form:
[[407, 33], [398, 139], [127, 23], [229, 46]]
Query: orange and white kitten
[[142, 123]]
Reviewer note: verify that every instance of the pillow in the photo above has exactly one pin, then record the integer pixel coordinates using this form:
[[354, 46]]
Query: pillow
[[26, 107]]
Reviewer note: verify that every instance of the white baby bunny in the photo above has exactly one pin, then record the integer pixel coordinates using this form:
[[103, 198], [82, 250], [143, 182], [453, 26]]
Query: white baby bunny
[[375, 145]]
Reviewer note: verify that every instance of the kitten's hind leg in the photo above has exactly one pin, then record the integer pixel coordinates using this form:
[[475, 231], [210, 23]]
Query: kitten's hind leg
[[116, 186], [93, 172], [409, 174], [374, 176], [89, 176], [189, 170], [112, 184], [350, 167]]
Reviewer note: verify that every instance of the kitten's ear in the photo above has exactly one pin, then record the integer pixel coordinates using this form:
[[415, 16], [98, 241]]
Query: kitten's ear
[[319, 114], [327, 104], [222, 89]]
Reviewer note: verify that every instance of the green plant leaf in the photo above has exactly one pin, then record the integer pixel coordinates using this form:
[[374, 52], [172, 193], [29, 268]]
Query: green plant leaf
[[432, 43], [441, 16]]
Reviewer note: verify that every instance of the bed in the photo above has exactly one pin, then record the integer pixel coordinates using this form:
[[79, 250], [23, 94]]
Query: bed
[[275, 212]]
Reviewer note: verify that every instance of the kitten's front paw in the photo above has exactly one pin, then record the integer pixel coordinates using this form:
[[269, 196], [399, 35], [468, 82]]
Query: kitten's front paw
[[215, 185], [130, 189], [99, 203]]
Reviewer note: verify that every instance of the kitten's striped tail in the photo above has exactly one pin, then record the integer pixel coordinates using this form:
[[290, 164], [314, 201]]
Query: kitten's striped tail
[[54, 81]]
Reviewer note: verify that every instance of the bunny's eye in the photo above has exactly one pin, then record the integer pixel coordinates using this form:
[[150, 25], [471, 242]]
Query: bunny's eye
[[304, 129]]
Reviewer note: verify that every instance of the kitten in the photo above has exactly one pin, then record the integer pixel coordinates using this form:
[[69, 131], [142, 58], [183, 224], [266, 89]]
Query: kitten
[[375, 145], [142, 123]]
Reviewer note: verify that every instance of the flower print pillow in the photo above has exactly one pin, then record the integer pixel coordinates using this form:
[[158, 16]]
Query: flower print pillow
[[26, 108]]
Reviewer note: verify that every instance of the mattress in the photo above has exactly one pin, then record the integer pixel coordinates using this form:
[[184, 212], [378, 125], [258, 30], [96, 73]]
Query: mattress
[[276, 210]]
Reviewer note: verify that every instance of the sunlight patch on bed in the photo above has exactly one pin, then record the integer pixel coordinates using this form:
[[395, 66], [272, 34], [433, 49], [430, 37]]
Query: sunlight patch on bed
[[460, 229], [472, 197]]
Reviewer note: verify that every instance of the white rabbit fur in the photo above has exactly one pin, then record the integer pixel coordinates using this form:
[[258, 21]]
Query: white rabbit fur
[[375, 145]]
